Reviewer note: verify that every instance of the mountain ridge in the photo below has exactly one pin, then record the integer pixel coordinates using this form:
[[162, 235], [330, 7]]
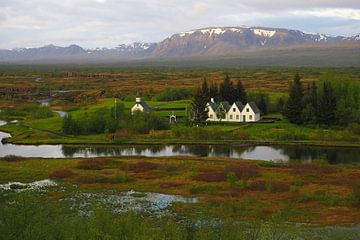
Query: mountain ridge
[[210, 41]]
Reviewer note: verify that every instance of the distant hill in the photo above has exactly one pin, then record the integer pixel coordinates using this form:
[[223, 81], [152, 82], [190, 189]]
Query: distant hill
[[267, 46]]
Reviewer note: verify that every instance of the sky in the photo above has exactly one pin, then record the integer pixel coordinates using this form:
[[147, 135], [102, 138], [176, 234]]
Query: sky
[[107, 23]]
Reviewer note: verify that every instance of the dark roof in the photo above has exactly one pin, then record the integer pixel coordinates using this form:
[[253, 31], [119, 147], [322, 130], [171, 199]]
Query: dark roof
[[239, 105], [144, 105], [212, 105], [226, 105], [254, 107]]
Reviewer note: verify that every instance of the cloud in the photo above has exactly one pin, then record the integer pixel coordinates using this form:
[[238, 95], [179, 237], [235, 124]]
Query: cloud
[[106, 23], [346, 13]]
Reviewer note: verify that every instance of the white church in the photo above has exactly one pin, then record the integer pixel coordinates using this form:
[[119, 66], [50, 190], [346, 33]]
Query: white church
[[237, 112]]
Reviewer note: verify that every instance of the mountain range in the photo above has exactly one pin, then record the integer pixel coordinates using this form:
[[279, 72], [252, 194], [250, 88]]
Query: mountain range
[[205, 42]]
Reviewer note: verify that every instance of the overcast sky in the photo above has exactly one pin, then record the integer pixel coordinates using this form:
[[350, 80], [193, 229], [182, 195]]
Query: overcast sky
[[106, 23]]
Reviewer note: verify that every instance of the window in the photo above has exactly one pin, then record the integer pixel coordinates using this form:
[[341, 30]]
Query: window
[[211, 116], [237, 117], [230, 116], [250, 117], [234, 109], [247, 110]]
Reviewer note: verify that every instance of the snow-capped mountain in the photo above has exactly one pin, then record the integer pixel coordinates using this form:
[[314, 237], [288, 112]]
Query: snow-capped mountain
[[232, 40], [214, 41]]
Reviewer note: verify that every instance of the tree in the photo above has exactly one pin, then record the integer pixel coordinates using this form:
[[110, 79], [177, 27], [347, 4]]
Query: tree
[[214, 91], [199, 108], [220, 112], [240, 94], [205, 90], [327, 105], [280, 105], [294, 104], [262, 104], [227, 90]]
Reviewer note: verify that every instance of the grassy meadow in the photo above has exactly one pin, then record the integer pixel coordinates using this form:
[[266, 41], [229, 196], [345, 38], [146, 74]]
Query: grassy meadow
[[236, 199]]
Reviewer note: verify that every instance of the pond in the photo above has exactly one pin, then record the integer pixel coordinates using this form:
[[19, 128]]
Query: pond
[[279, 153]]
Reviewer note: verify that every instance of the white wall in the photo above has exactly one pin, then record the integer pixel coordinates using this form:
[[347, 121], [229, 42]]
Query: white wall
[[249, 114], [236, 115]]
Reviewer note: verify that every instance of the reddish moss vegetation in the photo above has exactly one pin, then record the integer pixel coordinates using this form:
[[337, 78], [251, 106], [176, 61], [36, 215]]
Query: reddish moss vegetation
[[315, 193], [62, 173], [92, 164]]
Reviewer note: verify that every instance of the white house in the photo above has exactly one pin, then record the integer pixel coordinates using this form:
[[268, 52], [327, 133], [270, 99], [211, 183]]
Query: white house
[[237, 112], [139, 106]]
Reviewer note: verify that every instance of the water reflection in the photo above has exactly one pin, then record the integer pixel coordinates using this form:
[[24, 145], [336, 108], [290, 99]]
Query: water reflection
[[274, 153]]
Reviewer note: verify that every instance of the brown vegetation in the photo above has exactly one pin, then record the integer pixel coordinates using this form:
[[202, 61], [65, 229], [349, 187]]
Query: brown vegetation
[[62, 173], [91, 164]]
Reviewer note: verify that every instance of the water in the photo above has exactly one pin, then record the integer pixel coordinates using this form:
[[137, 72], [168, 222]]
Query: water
[[282, 153]]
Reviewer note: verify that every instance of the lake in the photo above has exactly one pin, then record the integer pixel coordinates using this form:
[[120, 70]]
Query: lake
[[281, 153]]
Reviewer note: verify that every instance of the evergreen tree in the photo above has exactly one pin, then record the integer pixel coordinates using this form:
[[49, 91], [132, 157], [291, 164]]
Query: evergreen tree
[[199, 108], [227, 90], [262, 104], [205, 90], [327, 105], [240, 94], [294, 104], [314, 97], [308, 114], [280, 105], [214, 91]]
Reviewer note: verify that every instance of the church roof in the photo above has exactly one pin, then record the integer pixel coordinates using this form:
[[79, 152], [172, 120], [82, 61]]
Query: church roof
[[254, 107], [239, 105]]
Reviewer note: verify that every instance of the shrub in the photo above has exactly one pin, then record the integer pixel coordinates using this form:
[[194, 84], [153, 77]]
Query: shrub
[[13, 158], [258, 185], [269, 164], [90, 164], [355, 197], [232, 179], [172, 94], [89, 179], [208, 189], [120, 178], [143, 166], [61, 173], [244, 170], [219, 176], [355, 128]]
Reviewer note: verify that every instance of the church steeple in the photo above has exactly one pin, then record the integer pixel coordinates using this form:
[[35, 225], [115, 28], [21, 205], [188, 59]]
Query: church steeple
[[138, 99]]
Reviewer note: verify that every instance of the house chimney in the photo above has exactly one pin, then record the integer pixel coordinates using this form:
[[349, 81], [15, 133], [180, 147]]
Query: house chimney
[[212, 100]]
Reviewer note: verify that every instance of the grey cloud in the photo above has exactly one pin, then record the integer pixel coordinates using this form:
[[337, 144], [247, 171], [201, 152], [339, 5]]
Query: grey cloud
[[98, 23]]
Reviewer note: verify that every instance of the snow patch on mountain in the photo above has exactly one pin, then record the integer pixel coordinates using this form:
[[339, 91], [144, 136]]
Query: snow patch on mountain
[[321, 38], [263, 32], [211, 31]]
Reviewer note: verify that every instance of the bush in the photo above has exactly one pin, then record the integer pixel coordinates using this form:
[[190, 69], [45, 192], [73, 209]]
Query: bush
[[232, 179], [208, 189], [244, 170], [355, 197], [219, 176], [101, 121], [13, 158], [120, 178], [89, 179], [62, 173], [143, 122], [91, 164], [143, 166], [172, 94]]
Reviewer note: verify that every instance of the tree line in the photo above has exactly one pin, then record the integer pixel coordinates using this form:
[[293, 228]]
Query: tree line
[[330, 102]]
